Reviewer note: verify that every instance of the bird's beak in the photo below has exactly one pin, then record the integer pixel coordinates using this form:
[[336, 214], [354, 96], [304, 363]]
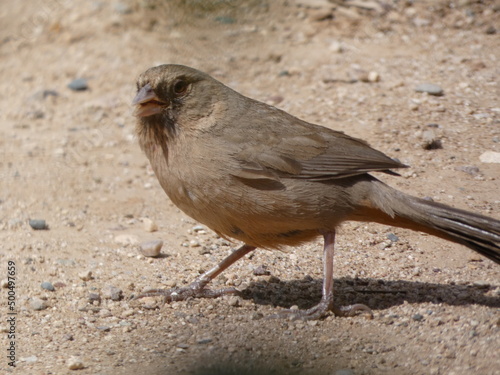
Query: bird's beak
[[147, 103]]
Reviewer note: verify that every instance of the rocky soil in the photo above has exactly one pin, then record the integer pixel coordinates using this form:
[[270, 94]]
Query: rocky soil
[[78, 198]]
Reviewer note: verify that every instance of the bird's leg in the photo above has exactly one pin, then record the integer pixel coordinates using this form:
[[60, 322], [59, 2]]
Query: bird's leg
[[197, 288], [326, 304]]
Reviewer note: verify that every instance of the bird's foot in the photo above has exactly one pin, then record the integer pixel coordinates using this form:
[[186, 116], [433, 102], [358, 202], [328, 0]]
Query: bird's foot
[[194, 290], [321, 310]]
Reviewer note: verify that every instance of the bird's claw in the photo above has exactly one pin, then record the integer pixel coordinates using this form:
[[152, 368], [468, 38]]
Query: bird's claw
[[321, 310]]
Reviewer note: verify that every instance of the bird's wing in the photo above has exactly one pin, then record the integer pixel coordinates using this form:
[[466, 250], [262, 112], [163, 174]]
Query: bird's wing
[[304, 151]]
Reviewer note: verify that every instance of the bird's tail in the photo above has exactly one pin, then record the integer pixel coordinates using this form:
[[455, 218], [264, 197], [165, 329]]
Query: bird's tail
[[477, 232]]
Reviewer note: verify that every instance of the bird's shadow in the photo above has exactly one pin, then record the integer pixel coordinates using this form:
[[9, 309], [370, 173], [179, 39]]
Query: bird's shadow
[[378, 294]]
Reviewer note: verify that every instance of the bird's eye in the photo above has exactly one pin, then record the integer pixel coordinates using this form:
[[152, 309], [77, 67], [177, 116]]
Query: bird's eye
[[180, 87]]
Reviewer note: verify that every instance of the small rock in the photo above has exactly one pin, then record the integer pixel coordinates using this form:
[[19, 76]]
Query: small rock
[[75, 363], [321, 14], [38, 224], [94, 297], [234, 301], [344, 372], [490, 157], [261, 271], [373, 77], [225, 20], [48, 286], [491, 30], [149, 225], [481, 284], [204, 250], [123, 8], [392, 237], [151, 248], [79, 84], [206, 340], [30, 359], [258, 316], [43, 94], [38, 304], [469, 169], [318, 4], [85, 275], [111, 292], [430, 141], [430, 89], [417, 317], [128, 313], [275, 99], [104, 313], [336, 47]]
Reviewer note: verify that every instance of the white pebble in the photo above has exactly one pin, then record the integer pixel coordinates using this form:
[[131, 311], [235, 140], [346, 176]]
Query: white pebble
[[151, 248], [75, 363], [149, 225], [85, 275], [373, 77], [490, 157]]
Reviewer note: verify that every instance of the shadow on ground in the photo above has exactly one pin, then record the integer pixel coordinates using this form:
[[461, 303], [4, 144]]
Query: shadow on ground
[[378, 294]]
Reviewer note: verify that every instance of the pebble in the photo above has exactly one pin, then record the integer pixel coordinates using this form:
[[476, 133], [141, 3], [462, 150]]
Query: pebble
[[481, 284], [94, 297], [79, 84], [38, 224], [336, 47], [151, 248], [490, 30], [392, 237], [417, 317], [344, 372], [322, 14], [30, 359], [194, 243], [112, 292], [469, 169], [206, 340], [85, 275], [75, 363], [234, 301], [199, 228], [225, 20], [47, 286], [490, 157], [38, 304], [261, 271], [128, 313], [149, 225], [430, 141], [43, 94], [123, 8], [373, 77], [430, 89]]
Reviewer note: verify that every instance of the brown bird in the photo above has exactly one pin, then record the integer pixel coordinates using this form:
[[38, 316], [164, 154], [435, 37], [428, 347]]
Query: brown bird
[[257, 174]]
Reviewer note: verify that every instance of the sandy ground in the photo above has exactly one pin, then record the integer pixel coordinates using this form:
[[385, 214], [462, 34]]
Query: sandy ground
[[71, 159]]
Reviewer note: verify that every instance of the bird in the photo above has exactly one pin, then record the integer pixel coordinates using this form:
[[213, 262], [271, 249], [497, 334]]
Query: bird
[[257, 174]]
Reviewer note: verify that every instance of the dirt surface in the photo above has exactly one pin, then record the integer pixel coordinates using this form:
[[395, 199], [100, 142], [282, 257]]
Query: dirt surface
[[71, 158]]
